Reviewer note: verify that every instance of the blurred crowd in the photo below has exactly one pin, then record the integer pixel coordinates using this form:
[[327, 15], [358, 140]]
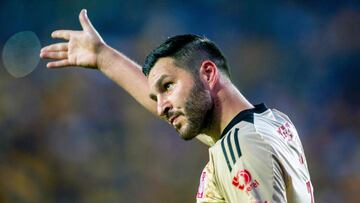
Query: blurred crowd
[[72, 135]]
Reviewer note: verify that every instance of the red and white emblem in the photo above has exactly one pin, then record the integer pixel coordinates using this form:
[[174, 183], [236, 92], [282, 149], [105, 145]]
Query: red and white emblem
[[243, 181]]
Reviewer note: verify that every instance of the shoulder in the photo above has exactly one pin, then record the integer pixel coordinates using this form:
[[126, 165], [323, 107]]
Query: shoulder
[[239, 141]]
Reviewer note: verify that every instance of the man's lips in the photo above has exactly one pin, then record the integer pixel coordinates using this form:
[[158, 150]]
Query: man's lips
[[172, 119]]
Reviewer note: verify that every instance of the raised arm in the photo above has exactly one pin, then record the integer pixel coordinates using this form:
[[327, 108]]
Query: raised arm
[[86, 48]]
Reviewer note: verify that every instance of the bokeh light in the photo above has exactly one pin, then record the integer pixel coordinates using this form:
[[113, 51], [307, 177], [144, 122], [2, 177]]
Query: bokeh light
[[20, 53]]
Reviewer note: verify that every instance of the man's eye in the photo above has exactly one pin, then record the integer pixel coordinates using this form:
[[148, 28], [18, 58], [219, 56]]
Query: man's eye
[[168, 86]]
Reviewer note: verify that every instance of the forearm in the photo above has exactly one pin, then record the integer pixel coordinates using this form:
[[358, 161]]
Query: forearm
[[127, 74]]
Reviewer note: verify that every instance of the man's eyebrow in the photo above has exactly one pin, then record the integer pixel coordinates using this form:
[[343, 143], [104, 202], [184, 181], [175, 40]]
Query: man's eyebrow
[[157, 85], [160, 80]]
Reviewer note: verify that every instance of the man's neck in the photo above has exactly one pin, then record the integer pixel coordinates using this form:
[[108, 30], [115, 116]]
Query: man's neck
[[232, 102], [228, 102]]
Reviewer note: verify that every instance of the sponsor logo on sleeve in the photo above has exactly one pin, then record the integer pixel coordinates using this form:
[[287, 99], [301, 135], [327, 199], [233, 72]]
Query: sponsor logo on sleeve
[[244, 182], [285, 131]]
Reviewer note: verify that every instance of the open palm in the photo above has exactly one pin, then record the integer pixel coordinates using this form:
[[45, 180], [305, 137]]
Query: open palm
[[80, 50]]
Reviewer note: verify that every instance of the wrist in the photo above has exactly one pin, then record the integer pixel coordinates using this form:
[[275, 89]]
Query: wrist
[[102, 61]]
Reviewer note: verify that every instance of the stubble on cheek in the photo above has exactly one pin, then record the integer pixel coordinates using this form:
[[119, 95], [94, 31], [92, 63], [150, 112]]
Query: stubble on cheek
[[196, 108]]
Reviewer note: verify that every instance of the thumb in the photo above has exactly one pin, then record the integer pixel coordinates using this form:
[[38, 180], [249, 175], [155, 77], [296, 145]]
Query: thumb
[[85, 22]]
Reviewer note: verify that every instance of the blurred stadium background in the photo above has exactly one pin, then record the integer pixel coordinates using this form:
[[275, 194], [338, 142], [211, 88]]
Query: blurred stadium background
[[72, 135]]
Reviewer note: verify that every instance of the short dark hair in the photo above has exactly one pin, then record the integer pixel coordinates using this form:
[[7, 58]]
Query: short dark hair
[[188, 51]]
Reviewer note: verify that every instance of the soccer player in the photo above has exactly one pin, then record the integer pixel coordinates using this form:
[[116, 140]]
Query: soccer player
[[255, 153]]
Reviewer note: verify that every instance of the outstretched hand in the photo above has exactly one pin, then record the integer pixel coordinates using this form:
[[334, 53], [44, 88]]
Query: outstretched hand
[[81, 49]]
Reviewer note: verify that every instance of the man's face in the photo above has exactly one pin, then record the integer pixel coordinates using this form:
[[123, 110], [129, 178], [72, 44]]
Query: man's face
[[181, 99]]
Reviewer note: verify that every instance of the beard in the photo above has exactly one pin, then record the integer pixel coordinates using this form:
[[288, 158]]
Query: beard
[[197, 109]]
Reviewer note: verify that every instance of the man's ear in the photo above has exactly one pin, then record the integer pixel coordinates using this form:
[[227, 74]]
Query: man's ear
[[209, 73]]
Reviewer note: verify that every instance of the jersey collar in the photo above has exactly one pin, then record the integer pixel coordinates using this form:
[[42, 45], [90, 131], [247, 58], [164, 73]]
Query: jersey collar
[[245, 115]]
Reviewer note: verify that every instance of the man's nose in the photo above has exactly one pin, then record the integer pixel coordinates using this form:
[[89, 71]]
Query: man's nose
[[163, 107]]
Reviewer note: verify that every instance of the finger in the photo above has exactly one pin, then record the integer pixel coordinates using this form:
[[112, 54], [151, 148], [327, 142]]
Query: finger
[[62, 34], [63, 46], [58, 64], [54, 55], [84, 21]]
